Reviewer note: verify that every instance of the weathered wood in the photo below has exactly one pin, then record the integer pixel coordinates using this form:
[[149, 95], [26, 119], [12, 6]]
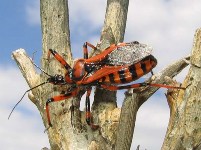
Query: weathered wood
[[116, 17], [56, 35], [135, 98], [184, 129], [104, 100], [30, 74], [28, 71]]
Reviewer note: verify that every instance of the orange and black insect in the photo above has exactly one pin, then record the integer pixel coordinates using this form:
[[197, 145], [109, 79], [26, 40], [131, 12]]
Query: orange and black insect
[[116, 65]]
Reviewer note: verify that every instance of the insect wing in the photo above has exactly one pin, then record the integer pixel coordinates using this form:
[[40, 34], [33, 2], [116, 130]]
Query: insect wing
[[98, 74], [129, 54]]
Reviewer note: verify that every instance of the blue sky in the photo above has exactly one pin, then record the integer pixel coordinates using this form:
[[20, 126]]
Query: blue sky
[[167, 25], [16, 31]]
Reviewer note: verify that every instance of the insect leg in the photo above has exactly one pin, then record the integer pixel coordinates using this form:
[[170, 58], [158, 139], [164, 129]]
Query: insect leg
[[102, 55], [166, 86], [85, 50], [59, 58], [114, 88], [56, 99], [137, 85], [88, 112], [90, 45]]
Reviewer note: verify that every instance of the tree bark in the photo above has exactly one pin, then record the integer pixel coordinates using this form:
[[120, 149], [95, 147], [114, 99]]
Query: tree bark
[[184, 129], [136, 97], [56, 35]]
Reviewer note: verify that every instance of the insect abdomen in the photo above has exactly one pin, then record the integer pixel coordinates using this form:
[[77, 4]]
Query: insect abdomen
[[132, 72]]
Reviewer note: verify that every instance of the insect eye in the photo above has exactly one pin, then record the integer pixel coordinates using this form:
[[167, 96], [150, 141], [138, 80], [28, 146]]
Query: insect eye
[[136, 42]]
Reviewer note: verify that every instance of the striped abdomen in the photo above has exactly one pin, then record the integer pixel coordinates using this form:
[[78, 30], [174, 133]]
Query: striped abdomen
[[132, 72]]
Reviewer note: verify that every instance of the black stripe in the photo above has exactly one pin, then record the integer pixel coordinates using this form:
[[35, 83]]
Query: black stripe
[[67, 67], [49, 101], [53, 52], [87, 104], [150, 58], [103, 79], [111, 76], [124, 87], [85, 54], [132, 70], [122, 76], [143, 67], [67, 94], [146, 58]]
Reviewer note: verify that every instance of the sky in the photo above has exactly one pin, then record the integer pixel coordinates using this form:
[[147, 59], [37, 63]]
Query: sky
[[167, 25]]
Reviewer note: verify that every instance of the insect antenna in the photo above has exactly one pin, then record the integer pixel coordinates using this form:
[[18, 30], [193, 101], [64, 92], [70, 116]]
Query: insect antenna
[[32, 60], [41, 69], [30, 88], [33, 54], [24, 95]]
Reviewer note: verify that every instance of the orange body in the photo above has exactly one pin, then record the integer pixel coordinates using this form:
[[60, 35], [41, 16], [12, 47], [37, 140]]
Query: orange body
[[122, 74]]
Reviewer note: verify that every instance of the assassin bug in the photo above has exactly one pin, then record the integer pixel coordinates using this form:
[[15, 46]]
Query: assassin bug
[[106, 70]]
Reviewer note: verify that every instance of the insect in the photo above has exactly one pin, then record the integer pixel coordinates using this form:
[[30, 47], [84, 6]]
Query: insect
[[116, 65]]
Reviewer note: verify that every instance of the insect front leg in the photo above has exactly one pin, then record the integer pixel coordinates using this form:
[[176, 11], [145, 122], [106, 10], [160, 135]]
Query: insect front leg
[[59, 58], [64, 63], [56, 99]]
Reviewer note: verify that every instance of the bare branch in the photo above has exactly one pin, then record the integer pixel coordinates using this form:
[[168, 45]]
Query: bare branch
[[112, 32], [134, 100], [26, 67], [196, 51], [185, 121], [116, 17]]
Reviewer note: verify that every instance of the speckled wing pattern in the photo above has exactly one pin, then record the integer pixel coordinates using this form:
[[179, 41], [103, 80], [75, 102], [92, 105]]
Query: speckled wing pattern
[[129, 54]]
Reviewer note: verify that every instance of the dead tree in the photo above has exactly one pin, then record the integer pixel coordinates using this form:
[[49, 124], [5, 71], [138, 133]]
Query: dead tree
[[184, 129], [115, 131]]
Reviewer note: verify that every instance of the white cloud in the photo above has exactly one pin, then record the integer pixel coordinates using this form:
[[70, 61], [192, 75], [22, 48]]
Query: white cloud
[[168, 26], [33, 12], [86, 20], [151, 123], [86, 14], [24, 130], [84, 17]]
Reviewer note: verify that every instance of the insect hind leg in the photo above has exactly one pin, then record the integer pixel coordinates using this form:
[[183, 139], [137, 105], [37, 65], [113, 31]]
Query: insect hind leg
[[137, 85]]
